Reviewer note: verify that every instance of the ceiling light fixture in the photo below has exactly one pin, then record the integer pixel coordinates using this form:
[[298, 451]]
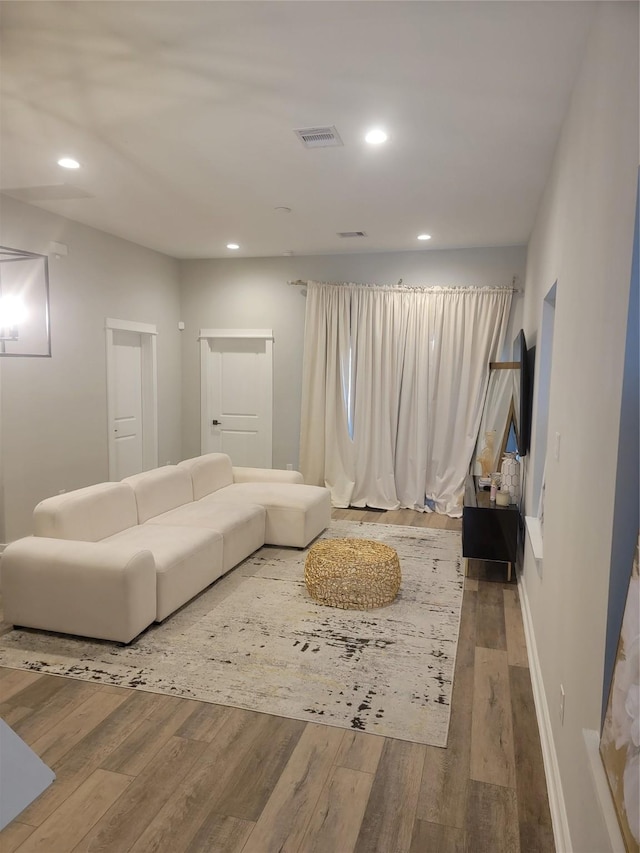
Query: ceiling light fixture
[[376, 136], [68, 163], [233, 246], [424, 236]]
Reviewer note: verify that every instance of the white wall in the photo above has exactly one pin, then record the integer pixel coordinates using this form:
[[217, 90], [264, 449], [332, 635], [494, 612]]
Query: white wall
[[253, 293], [583, 238], [2, 530], [54, 411]]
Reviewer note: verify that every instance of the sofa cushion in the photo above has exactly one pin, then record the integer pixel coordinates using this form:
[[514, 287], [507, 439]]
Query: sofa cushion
[[296, 514], [242, 526], [266, 475], [160, 490], [208, 473], [187, 560], [88, 514]]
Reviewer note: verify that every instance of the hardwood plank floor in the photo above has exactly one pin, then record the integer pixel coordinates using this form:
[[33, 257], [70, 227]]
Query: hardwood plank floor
[[75, 817], [142, 772], [445, 778], [516, 645], [390, 816], [492, 820], [332, 827], [281, 826], [128, 818], [14, 835], [492, 756]]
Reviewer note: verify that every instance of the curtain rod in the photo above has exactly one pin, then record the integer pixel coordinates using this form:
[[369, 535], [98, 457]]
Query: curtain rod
[[302, 283]]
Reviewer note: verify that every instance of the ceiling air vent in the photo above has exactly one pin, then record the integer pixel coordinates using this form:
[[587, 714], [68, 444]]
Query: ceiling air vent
[[351, 234], [318, 137]]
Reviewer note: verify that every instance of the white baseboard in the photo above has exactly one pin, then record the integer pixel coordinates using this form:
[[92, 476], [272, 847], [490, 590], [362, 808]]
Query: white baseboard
[[559, 819]]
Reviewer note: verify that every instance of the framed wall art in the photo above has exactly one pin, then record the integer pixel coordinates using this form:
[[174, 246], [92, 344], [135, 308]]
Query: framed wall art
[[24, 304], [620, 740]]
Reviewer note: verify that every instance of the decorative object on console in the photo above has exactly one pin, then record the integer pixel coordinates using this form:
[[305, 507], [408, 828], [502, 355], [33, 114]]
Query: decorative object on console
[[486, 457], [510, 476], [256, 640], [503, 498]]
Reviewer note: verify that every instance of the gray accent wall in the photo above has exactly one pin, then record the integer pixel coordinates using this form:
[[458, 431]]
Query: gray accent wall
[[253, 293], [54, 410]]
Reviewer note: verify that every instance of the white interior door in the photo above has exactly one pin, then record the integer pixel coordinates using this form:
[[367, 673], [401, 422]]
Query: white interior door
[[237, 395], [126, 422], [131, 398]]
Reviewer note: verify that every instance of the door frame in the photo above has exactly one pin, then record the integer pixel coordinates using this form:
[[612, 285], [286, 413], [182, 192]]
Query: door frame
[[207, 335], [148, 334]]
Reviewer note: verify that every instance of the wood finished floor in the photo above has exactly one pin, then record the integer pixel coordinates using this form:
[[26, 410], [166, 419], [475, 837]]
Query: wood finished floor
[[144, 772]]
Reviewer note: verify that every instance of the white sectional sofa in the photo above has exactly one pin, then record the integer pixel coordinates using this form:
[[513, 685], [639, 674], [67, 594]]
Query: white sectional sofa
[[108, 560]]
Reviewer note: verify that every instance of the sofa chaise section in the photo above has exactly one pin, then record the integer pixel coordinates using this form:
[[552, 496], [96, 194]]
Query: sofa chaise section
[[295, 513]]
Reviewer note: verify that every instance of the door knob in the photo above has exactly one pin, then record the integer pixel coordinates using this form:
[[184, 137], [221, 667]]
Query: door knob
[[215, 423]]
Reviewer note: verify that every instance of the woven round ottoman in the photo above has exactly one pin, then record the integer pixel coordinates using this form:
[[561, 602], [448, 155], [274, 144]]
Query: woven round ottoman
[[355, 574]]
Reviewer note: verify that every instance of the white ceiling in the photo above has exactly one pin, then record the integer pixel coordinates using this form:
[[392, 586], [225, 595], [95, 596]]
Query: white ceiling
[[182, 116]]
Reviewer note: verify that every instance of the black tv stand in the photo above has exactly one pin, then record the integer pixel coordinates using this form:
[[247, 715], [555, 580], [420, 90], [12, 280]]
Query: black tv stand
[[489, 532]]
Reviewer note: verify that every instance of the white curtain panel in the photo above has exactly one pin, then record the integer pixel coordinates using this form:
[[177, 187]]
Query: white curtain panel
[[393, 385], [326, 451]]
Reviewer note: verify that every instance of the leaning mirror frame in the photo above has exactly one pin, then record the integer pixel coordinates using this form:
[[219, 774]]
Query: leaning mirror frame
[[499, 415]]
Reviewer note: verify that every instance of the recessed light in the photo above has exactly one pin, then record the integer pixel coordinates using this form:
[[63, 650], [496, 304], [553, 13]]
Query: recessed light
[[376, 136], [233, 246], [68, 163], [424, 236]]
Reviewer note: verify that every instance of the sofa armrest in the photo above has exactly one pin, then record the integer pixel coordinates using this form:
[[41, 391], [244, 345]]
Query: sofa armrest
[[92, 589], [266, 475]]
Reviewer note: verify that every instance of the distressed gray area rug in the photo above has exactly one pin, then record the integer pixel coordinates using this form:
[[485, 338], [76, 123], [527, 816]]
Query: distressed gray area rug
[[256, 640]]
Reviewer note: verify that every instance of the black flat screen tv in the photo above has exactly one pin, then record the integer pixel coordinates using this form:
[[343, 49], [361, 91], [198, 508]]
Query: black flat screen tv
[[523, 402]]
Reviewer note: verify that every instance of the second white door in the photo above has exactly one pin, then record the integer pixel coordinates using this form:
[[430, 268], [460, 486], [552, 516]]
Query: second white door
[[131, 398], [127, 413], [237, 398]]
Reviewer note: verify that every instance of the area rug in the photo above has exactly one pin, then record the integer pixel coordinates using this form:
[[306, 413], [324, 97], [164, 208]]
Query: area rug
[[256, 640]]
